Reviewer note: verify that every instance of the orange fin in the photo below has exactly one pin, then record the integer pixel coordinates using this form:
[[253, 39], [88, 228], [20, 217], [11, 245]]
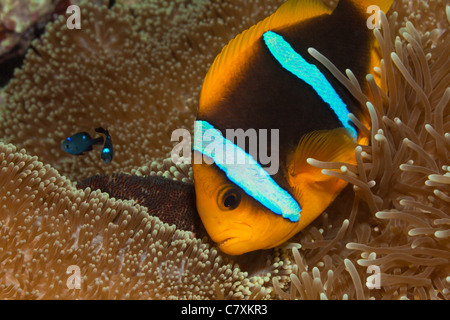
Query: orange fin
[[313, 190], [234, 54], [324, 145], [384, 5]]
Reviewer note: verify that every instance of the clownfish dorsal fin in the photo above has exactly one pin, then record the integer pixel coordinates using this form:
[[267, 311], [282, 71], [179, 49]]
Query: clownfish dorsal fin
[[233, 55], [324, 145], [384, 5]]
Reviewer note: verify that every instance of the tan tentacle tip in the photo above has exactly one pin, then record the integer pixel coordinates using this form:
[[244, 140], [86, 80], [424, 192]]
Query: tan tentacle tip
[[447, 11]]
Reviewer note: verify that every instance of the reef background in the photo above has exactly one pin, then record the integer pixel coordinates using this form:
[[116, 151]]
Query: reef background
[[137, 69]]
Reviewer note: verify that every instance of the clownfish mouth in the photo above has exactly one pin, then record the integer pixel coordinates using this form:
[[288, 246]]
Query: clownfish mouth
[[234, 246], [222, 243], [231, 238]]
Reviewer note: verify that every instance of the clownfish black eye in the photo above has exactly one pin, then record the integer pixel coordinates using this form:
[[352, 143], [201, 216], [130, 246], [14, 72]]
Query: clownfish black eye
[[229, 199]]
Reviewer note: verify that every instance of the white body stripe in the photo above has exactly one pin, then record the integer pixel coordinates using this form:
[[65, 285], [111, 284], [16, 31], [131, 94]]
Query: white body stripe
[[310, 74]]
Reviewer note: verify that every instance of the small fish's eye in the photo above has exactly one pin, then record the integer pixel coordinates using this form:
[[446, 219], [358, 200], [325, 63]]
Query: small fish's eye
[[230, 199]]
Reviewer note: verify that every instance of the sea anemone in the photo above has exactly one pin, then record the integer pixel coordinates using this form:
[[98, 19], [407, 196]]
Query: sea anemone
[[172, 201], [49, 231], [398, 225], [136, 71]]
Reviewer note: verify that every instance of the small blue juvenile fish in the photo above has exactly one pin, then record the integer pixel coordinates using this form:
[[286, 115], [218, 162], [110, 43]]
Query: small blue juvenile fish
[[80, 143], [107, 151]]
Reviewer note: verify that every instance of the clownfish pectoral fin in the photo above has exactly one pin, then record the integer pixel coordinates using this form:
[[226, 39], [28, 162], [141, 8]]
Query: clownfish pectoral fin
[[313, 190], [236, 53], [324, 145]]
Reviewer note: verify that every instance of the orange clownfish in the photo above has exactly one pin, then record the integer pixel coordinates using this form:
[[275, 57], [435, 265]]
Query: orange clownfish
[[265, 80]]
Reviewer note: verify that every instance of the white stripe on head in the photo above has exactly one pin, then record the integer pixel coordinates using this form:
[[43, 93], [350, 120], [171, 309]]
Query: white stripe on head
[[244, 171]]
